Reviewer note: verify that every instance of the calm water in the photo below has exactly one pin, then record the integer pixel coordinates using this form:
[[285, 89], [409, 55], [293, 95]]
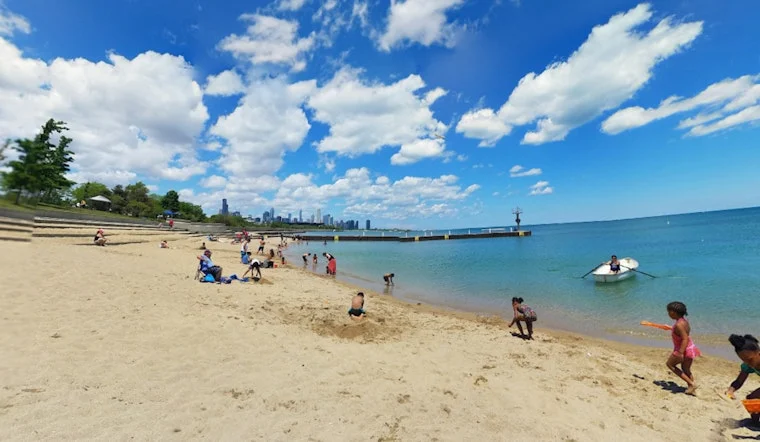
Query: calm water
[[709, 261]]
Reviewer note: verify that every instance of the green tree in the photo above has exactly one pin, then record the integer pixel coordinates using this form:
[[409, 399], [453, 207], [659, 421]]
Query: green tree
[[191, 212], [170, 201], [42, 165], [89, 190]]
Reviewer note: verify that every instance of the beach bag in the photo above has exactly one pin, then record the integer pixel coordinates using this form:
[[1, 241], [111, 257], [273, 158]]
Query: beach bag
[[208, 278]]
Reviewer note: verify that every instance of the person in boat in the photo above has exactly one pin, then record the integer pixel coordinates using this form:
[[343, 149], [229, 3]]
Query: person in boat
[[523, 313], [614, 264], [748, 350]]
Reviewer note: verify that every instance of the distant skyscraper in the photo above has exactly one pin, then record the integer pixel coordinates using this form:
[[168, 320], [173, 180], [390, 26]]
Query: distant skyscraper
[[300, 216], [319, 215], [271, 213], [367, 224], [225, 207]]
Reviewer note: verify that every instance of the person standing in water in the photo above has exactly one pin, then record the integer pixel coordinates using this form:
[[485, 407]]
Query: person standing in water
[[388, 278], [684, 350]]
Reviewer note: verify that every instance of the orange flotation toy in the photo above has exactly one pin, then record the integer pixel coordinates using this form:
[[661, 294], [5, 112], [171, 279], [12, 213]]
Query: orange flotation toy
[[752, 405], [652, 324]]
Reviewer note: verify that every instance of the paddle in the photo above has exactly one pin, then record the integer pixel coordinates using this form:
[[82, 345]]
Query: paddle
[[643, 273], [595, 267]]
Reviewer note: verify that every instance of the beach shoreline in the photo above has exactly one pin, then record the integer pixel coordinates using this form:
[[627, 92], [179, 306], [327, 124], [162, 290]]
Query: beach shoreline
[[120, 342]]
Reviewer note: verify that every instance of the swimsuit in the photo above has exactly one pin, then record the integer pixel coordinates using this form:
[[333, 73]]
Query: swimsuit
[[615, 267], [749, 370], [691, 350], [527, 313], [355, 311]]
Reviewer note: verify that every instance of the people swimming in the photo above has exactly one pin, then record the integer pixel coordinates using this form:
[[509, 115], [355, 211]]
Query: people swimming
[[684, 350], [388, 278], [525, 314], [748, 350], [356, 312]]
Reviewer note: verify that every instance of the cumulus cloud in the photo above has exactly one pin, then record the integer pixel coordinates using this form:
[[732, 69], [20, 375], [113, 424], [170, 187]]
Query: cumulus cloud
[[214, 181], [518, 171], [10, 23], [724, 104], [419, 21], [541, 188], [364, 117], [127, 116], [290, 5], [225, 84], [268, 122], [270, 40], [614, 62], [381, 197]]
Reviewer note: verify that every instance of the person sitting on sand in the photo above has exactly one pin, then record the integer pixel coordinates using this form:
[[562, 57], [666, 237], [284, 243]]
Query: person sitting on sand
[[748, 350], [100, 238], [388, 278], [164, 244], [208, 267], [356, 312], [212, 237], [614, 264], [255, 266], [684, 350], [523, 313], [246, 259], [203, 246]]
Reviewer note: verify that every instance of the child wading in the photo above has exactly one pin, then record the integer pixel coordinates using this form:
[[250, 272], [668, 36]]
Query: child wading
[[684, 350]]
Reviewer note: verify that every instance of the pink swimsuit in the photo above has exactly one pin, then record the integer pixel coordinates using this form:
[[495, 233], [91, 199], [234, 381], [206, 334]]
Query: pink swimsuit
[[691, 350]]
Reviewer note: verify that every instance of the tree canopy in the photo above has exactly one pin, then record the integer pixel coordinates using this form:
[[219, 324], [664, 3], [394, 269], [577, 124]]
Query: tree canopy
[[42, 165]]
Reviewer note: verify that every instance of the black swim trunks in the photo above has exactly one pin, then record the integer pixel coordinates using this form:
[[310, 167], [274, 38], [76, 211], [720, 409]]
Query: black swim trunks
[[356, 312]]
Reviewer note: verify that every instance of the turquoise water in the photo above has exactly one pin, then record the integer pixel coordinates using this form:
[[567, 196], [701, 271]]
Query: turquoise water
[[709, 261]]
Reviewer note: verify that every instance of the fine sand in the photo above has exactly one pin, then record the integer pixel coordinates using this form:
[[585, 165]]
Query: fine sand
[[121, 343]]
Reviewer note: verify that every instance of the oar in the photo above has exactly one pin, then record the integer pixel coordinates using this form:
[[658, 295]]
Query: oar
[[595, 267], [643, 273]]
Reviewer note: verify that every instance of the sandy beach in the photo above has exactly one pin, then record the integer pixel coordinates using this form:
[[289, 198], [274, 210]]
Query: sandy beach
[[121, 343]]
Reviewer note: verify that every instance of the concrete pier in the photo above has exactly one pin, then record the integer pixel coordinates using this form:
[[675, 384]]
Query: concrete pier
[[416, 238]]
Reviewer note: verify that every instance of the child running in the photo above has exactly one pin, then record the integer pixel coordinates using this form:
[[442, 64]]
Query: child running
[[684, 350], [523, 313], [748, 351]]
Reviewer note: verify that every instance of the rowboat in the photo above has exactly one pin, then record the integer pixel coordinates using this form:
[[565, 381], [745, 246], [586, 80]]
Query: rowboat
[[627, 267]]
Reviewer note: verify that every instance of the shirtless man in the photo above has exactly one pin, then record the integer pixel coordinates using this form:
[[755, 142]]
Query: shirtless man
[[388, 278], [356, 312]]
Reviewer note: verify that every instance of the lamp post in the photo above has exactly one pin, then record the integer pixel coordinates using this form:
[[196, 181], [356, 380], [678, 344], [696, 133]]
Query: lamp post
[[517, 211]]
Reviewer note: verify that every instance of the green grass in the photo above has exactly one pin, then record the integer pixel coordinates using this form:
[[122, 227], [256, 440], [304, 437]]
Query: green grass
[[5, 204], [92, 212]]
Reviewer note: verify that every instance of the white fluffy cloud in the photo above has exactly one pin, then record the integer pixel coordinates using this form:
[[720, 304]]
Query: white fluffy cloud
[[268, 121], [419, 21], [225, 84], [10, 23], [127, 117], [214, 181], [290, 5], [518, 171], [270, 40], [541, 188], [363, 196], [364, 117], [614, 62], [725, 104]]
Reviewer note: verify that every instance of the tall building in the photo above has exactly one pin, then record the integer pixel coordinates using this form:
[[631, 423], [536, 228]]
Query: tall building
[[271, 213], [225, 207], [288, 220], [367, 225], [300, 216], [319, 215]]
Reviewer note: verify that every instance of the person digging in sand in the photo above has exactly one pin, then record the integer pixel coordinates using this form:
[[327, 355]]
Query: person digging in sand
[[356, 312], [684, 350], [255, 266], [523, 313], [748, 351]]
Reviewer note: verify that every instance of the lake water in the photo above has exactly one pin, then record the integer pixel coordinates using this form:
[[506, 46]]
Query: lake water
[[708, 260]]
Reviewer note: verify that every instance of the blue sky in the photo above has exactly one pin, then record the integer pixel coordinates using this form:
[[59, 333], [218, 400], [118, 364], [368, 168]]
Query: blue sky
[[416, 113]]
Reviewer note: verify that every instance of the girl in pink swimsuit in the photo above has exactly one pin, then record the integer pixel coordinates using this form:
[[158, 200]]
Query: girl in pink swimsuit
[[684, 350]]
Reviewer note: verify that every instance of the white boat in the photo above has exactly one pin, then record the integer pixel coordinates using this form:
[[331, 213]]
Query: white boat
[[627, 267]]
